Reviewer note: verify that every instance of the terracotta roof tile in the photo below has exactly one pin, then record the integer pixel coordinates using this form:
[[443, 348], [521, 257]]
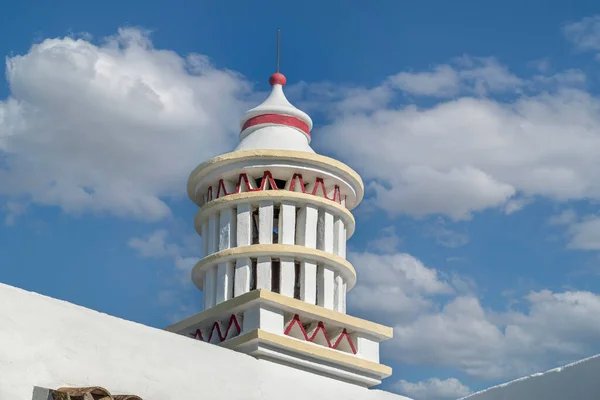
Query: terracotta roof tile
[[89, 393]]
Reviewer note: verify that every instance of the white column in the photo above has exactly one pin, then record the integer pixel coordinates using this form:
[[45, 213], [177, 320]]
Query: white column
[[213, 233], [227, 228], [306, 235], [306, 226], [287, 273], [263, 273], [227, 238], [338, 293], [205, 238], [325, 231], [339, 236], [325, 283], [265, 222], [344, 290], [287, 223], [308, 282], [243, 271], [224, 282], [210, 280], [244, 225]]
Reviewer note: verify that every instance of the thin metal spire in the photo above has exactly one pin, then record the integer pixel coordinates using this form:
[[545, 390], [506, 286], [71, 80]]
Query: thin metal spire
[[278, 47]]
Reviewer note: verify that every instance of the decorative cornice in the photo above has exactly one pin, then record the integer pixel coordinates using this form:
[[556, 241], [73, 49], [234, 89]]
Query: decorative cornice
[[326, 163], [288, 304], [310, 350]]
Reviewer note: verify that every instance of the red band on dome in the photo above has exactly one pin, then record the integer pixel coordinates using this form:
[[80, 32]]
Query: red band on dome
[[277, 119]]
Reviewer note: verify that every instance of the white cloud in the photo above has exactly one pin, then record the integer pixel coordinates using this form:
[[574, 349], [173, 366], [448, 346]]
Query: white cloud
[[443, 81], [516, 204], [394, 286], [474, 75], [112, 128], [155, 245], [585, 234], [469, 154], [445, 236], [585, 34], [433, 389], [387, 241], [13, 210], [438, 320], [566, 217]]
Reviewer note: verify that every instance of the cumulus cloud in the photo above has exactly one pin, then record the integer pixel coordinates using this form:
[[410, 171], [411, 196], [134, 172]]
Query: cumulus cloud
[[583, 232], [445, 236], [585, 34], [433, 389], [439, 320], [394, 287], [387, 241], [471, 153], [155, 245], [476, 75], [112, 128]]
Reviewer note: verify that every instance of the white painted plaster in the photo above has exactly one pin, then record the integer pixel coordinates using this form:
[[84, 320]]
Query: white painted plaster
[[51, 343], [306, 226], [308, 282], [224, 282], [244, 225], [325, 287], [213, 233], [205, 238], [243, 271], [287, 223], [263, 273], [227, 227], [338, 293], [366, 348], [210, 287], [260, 316], [325, 231], [342, 244], [344, 291], [276, 137], [286, 276], [229, 187], [271, 136], [339, 236], [265, 222]]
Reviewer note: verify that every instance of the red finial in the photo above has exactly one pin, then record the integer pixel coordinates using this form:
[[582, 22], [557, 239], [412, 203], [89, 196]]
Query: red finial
[[277, 79]]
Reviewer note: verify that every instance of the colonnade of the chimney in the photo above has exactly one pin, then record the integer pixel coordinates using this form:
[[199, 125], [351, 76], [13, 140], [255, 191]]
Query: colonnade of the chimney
[[269, 222]]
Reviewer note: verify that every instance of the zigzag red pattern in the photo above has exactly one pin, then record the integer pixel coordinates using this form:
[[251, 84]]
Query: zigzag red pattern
[[320, 327], [268, 177], [216, 326]]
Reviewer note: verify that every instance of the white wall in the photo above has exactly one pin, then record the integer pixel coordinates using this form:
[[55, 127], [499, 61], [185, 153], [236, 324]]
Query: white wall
[[51, 343], [577, 381]]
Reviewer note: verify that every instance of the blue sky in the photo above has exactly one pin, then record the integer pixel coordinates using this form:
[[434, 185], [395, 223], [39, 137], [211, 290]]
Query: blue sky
[[475, 126]]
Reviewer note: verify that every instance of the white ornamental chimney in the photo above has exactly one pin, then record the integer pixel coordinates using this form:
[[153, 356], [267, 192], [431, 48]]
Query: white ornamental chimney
[[274, 219]]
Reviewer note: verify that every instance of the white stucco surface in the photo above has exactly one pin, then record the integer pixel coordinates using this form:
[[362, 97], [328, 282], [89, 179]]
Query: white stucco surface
[[51, 343], [577, 381]]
